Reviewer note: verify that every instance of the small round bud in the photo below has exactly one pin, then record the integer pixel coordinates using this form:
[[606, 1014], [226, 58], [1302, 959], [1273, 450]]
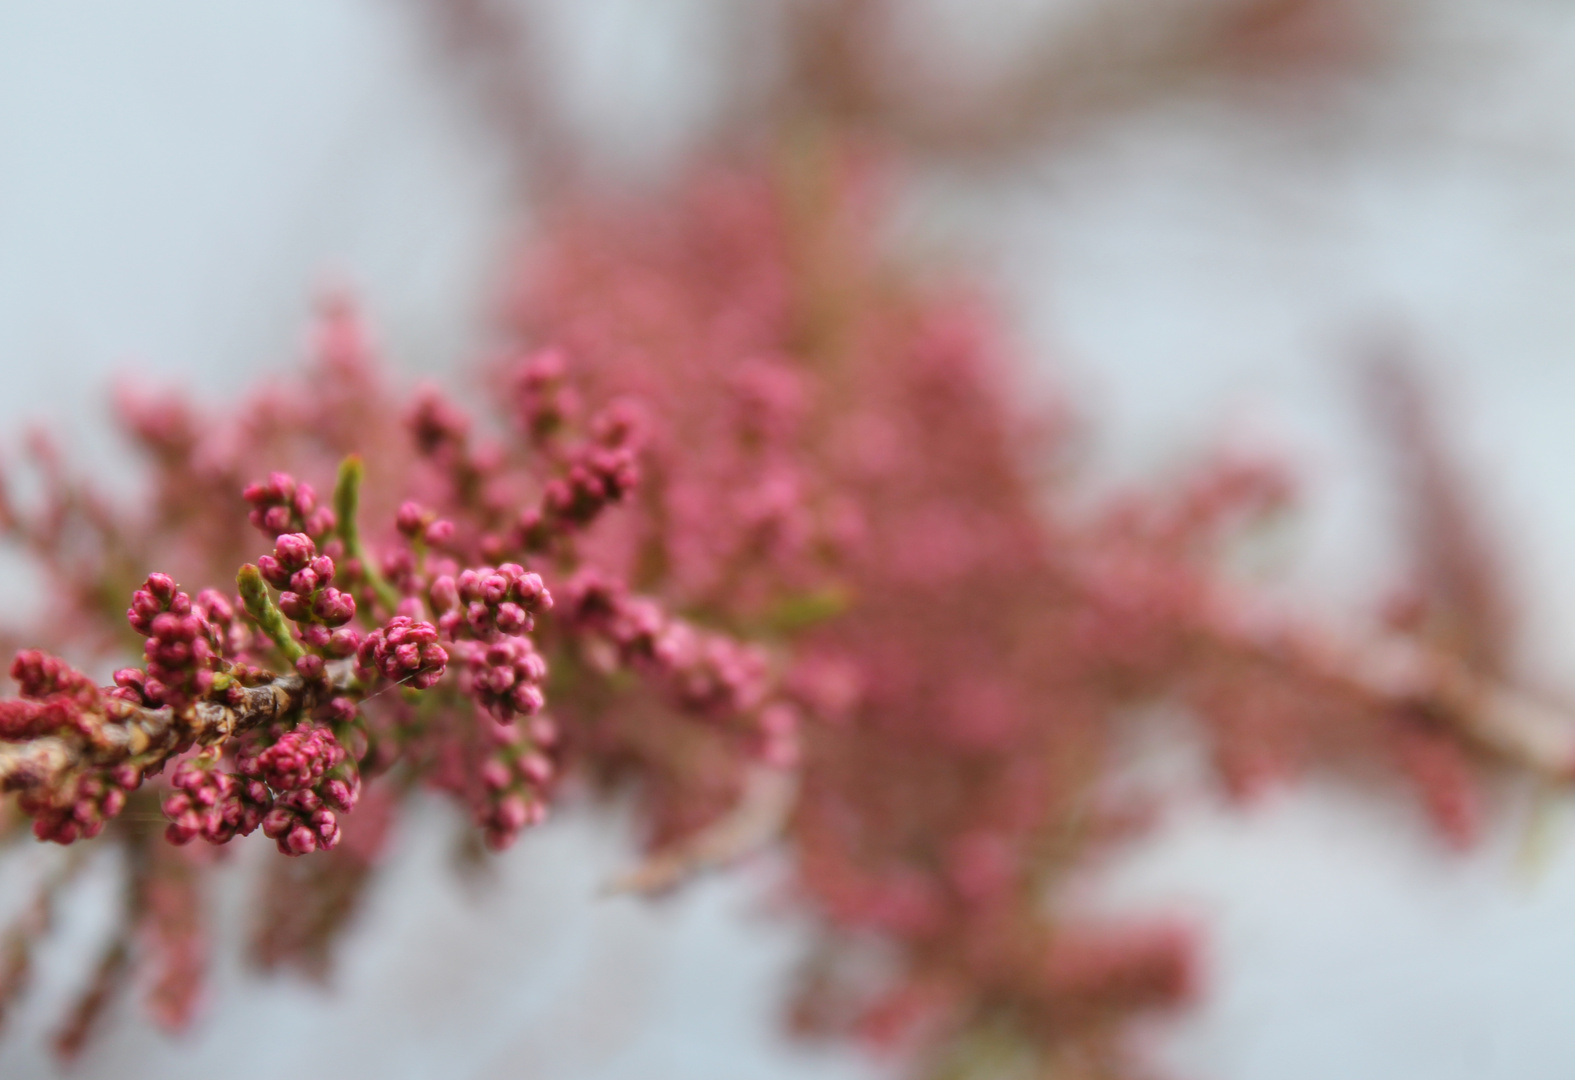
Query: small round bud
[[444, 594], [410, 519]]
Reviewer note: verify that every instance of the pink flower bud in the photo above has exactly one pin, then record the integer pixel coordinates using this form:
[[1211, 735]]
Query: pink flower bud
[[495, 774], [321, 522], [512, 813], [425, 680], [512, 619], [444, 594], [410, 607], [410, 519], [341, 710], [333, 607], [527, 698], [339, 794], [343, 642], [273, 572], [216, 607], [535, 767], [277, 822], [162, 586], [294, 551], [493, 588], [440, 533]]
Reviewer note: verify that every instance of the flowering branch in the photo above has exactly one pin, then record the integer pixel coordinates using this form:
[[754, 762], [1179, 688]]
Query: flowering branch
[[133, 732], [925, 712], [1399, 673]]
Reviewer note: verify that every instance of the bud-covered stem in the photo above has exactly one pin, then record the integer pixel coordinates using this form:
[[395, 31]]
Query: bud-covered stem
[[347, 503], [254, 594], [141, 731]]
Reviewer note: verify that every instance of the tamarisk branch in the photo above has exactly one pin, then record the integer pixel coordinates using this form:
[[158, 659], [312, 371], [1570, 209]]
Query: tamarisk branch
[[137, 734]]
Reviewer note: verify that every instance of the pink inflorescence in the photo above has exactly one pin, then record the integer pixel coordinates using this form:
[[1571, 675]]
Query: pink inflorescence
[[405, 651], [439, 427], [313, 780], [231, 634], [702, 670], [299, 759], [543, 401], [81, 807], [212, 804], [307, 595], [597, 476], [55, 697], [292, 783], [181, 650], [504, 675], [416, 523], [594, 475], [282, 505], [59, 700], [515, 776], [485, 603]]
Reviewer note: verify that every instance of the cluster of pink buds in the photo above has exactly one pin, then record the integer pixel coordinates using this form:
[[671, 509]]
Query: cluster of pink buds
[[299, 759], [541, 400], [181, 650], [55, 697], [307, 596], [504, 676], [515, 777], [709, 672], [59, 700], [599, 474], [282, 505], [417, 523], [43, 676], [212, 804], [313, 780], [79, 809], [439, 428], [232, 635], [484, 603], [405, 651], [704, 671], [302, 822]]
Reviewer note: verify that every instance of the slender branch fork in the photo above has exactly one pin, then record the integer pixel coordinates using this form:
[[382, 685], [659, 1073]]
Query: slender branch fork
[[1392, 671]]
